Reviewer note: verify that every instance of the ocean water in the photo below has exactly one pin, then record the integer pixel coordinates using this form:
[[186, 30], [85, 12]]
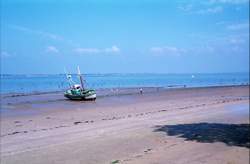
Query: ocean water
[[47, 83]]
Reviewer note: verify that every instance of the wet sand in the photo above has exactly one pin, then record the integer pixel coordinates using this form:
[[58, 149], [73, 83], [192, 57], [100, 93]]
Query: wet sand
[[185, 125]]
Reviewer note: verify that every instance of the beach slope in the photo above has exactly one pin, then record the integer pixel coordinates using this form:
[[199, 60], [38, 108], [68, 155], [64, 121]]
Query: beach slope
[[186, 125]]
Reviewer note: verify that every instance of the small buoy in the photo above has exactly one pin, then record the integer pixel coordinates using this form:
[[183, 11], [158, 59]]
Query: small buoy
[[192, 76]]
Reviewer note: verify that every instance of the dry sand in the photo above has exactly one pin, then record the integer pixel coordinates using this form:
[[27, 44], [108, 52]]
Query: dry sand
[[178, 126]]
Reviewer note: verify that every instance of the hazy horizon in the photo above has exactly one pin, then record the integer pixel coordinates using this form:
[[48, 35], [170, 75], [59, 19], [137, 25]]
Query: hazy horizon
[[74, 73]]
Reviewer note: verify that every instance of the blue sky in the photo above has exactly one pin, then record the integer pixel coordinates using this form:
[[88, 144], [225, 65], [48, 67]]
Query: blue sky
[[125, 36]]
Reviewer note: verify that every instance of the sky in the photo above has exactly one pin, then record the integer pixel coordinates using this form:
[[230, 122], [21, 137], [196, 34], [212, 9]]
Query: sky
[[124, 36]]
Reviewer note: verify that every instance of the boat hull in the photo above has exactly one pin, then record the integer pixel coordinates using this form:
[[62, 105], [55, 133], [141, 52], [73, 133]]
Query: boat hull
[[90, 97], [84, 95]]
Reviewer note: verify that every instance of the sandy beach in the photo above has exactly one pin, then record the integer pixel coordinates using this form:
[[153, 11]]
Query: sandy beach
[[174, 126]]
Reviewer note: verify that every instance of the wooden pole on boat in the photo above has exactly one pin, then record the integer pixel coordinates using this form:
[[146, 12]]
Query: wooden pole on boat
[[80, 76], [68, 78]]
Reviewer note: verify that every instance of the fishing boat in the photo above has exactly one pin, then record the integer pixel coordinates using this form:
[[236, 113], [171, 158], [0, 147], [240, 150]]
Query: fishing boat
[[78, 91]]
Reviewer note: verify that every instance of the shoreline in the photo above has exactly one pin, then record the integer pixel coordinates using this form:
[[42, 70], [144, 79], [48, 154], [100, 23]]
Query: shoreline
[[54, 97], [19, 94]]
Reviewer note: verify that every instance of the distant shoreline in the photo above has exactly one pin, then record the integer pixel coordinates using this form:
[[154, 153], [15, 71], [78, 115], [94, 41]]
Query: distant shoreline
[[146, 73], [18, 85], [112, 91]]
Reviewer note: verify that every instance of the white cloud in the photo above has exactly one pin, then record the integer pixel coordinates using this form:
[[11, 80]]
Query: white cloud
[[200, 9], [210, 6], [5, 54], [221, 23], [113, 49], [229, 1], [37, 32], [52, 49], [203, 48], [236, 48], [186, 8], [239, 26], [236, 41], [86, 50], [167, 50], [43, 34], [212, 10]]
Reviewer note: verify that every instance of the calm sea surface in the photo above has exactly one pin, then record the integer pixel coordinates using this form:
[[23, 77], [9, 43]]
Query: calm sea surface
[[46, 83]]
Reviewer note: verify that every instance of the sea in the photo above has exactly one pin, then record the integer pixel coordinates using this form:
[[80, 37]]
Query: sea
[[58, 82]]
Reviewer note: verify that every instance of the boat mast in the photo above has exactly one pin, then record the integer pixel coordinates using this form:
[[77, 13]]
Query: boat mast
[[68, 76], [80, 76]]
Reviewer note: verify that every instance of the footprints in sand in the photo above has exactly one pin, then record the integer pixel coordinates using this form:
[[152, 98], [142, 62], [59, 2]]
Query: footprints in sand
[[77, 122], [46, 129], [80, 122], [127, 116], [43, 129], [232, 100], [139, 155], [142, 114], [192, 106], [113, 118], [34, 130], [132, 115], [18, 124], [148, 150], [144, 153]]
